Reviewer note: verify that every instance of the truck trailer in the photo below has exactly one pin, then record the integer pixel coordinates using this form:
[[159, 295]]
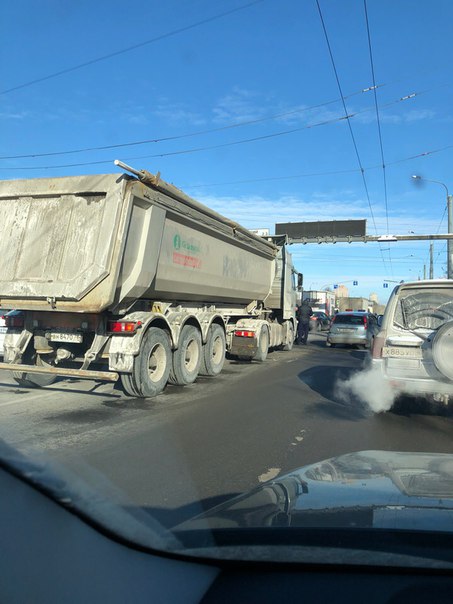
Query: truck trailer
[[123, 277], [321, 300]]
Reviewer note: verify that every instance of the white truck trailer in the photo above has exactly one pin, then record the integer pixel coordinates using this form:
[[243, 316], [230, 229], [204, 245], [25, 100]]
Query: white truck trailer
[[321, 300], [119, 277]]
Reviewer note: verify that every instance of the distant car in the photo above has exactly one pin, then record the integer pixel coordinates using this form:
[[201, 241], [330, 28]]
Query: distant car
[[319, 321], [3, 329], [414, 348], [353, 327]]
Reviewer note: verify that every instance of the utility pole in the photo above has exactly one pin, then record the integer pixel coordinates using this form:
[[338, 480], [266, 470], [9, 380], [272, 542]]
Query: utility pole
[[424, 272], [449, 243], [450, 225], [431, 263]]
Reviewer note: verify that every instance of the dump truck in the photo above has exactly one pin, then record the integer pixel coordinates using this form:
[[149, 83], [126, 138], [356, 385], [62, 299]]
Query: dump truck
[[124, 278]]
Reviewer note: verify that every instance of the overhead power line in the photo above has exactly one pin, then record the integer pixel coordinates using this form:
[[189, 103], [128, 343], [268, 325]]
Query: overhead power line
[[116, 53], [359, 161], [239, 124], [180, 136], [217, 146], [381, 146]]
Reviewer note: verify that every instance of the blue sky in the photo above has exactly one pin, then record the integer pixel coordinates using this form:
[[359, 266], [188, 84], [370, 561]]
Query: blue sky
[[209, 78]]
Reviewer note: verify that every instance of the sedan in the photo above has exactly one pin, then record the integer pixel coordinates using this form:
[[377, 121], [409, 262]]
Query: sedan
[[355, 328], [319, 321]]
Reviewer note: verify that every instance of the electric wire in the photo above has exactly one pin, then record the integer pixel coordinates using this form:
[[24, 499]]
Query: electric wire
[[220, 145], [186, 135], [359, 161], [378, 119], [116, 53], [238, 124]]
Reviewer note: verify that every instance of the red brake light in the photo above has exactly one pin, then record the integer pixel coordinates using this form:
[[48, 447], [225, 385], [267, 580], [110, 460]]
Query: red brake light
[[242, 333], [123, 326], [365, 322], [14, 321]]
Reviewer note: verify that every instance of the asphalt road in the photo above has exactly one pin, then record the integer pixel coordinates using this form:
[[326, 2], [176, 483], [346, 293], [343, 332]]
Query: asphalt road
[[196, 446]]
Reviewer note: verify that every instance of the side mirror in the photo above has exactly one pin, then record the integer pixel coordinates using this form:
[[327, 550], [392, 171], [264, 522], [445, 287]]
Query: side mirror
[[300, 281]]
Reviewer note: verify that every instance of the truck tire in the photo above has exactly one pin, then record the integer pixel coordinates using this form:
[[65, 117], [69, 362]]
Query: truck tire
[[213, 353], [187, 357], [151, 366], [34, 380], [290, 335], [263, 346]]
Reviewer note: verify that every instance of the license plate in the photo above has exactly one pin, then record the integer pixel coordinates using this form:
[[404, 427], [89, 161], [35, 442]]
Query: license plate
[[66, 337], [400, 351]]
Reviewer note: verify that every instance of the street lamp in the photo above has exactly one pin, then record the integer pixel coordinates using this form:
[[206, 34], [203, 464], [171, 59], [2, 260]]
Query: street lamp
[[450, 223]]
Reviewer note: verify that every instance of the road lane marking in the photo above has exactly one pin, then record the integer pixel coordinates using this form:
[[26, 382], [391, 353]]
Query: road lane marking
[[271, 473], [25, 399]]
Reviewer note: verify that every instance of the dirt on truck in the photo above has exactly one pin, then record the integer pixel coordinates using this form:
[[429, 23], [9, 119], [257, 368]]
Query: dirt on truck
[[124, 277]]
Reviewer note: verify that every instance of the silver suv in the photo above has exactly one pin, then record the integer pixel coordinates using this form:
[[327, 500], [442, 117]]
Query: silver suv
[[352, 327], [414, 349]]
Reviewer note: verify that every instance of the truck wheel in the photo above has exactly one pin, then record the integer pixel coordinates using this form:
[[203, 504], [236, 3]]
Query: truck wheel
[[151, 367], [34, 380], [213, 353], [187, 357], [263, 346], [290, 335]]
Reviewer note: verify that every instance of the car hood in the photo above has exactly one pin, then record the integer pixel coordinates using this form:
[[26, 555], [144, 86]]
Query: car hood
[[367, 489]]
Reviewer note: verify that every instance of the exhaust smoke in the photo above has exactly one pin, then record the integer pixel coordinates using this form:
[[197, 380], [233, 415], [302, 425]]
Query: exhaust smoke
[[369, 387]]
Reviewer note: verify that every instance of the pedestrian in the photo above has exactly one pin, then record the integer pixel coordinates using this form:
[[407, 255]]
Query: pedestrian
[[304, 312]]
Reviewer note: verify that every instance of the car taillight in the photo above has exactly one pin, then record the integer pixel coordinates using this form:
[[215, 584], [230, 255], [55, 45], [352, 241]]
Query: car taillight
[[378, 345], [123, 326], [243, 333], [365, 322], [14, 322]]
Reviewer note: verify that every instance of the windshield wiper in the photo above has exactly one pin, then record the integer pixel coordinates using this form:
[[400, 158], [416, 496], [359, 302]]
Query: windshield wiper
[[412, 331]]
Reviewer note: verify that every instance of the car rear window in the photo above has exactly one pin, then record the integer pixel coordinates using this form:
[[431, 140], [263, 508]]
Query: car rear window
[[424, 308], [349, 319]]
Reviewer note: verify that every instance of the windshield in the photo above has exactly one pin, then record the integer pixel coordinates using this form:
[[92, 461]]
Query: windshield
[[425, 309], [204, 207]]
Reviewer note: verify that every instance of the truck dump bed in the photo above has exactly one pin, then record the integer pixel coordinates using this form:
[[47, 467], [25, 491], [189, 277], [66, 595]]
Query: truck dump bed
[[92, 243]]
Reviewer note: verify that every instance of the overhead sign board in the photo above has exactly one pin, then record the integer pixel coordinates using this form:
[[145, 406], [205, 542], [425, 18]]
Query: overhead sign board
[[322, 228]]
